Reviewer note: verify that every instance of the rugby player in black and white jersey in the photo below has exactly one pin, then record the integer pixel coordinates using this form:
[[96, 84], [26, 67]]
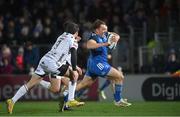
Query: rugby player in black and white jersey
[[53, 63], [70, 102]]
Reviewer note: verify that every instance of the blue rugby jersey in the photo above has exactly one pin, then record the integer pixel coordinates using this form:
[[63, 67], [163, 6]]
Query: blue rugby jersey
[[99, 54]]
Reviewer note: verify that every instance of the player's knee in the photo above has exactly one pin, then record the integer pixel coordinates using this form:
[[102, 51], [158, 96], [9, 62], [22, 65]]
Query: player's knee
[[122, 77], [119, 77]]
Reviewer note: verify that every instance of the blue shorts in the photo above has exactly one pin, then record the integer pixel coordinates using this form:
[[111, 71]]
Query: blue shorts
[[96, 68]]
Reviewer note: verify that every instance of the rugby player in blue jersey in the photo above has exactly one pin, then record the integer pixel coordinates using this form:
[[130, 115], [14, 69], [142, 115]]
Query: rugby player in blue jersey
[[97, 64]]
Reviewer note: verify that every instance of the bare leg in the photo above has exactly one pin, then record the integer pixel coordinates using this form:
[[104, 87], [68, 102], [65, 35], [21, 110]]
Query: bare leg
[[117, 77], [35, 79], [86, 82]]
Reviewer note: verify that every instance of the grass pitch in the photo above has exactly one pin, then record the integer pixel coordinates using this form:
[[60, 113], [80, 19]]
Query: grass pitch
[[94, 109]]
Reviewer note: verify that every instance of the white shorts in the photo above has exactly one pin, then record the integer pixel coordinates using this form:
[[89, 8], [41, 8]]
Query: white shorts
[[47, 66]]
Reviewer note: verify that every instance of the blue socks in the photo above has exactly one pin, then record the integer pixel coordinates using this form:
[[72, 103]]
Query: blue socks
[[117, 93], [66, 98], [65, 94], [106, 84]]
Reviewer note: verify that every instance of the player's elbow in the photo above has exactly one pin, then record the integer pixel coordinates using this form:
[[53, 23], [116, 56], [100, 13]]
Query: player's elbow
[[89, 46]]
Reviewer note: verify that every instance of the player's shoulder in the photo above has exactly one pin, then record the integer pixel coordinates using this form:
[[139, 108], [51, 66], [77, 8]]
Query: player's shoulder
[[93, 36], [69, 35]]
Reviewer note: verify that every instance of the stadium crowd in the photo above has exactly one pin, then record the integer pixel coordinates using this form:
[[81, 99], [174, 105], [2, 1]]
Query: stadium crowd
[[24, 23]]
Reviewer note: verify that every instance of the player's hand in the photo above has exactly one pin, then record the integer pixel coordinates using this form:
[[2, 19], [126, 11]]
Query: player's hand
[[106, 44], [109, 56], [75, 75], [115, 38], [79, 70]]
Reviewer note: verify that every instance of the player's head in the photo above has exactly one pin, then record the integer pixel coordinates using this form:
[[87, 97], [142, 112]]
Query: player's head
[[99, 27], [71, 27]]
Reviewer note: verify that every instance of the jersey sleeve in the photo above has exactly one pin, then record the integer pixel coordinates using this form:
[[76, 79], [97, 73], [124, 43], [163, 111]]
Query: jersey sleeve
[[73, 43], [93, 37], [68, 59]]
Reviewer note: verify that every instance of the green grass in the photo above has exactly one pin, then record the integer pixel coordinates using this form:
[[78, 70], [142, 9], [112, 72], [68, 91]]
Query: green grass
[[94, 109]]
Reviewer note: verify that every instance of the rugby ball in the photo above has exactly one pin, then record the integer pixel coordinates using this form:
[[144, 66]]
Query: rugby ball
[[112, 44]]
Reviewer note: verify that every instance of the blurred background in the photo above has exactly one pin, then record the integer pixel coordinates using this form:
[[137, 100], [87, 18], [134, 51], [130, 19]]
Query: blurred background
[[149, 49]]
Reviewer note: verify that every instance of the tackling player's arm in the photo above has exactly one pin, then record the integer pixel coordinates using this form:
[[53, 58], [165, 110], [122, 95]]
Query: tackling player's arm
[[73, 58], [92, 44], [74, 63]]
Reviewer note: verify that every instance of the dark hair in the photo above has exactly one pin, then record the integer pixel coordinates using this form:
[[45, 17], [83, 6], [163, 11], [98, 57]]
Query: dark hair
[[71, 27], [97, 24]]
